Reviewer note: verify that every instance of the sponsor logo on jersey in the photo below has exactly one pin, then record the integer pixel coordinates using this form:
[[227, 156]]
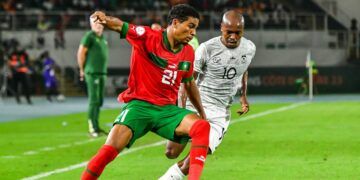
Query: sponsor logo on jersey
[[243, 57], [140, 30], [216, 59]]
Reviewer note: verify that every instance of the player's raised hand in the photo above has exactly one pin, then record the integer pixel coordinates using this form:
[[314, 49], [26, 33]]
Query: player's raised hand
[[98, 17], [244, 106]]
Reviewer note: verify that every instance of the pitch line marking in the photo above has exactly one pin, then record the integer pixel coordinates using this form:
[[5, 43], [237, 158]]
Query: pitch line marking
[[47, 149], [83, 164]]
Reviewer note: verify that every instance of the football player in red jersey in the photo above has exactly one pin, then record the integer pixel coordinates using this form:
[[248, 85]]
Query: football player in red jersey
[[160, 61]]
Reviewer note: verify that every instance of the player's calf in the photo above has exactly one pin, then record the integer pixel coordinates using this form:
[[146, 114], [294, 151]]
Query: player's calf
[[173, 149], [97, 164], [118, 138], [199, 134]]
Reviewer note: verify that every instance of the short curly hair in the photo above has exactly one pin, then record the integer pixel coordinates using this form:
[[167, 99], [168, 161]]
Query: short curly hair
[[182, 12]]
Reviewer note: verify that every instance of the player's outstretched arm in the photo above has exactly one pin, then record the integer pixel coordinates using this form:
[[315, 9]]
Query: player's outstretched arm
[[193, 94], [110, 22], [243, 98]]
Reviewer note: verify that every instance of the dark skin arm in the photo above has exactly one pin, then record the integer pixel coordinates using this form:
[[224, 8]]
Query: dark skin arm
[[243, 98], [182, 93], [194, 95]]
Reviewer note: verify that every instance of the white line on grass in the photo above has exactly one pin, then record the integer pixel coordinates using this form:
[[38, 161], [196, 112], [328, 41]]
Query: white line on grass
[[271, 111], [47, 149], [83, 164]]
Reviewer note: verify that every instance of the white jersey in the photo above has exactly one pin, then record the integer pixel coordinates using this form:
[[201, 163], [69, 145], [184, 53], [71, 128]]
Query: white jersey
[[221, 69], [220, 73]]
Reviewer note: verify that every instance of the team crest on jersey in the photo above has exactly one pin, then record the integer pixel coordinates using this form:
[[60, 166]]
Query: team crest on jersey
[[216, 59], [140, 30], [184, 66], [243, 59]]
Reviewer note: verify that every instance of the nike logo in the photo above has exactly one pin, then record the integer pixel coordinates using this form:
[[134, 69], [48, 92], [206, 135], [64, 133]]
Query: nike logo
[[201, 158]]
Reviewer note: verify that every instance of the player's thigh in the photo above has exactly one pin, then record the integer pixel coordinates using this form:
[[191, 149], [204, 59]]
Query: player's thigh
[[136, 116], [119, 137], [168, 120], [92, 83], [186, 124]]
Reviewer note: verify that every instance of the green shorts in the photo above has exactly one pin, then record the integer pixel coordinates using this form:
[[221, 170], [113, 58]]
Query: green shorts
[[142, 117]]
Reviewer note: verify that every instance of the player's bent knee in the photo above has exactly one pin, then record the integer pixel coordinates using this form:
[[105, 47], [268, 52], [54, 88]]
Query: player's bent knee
[[200, 128], [171, 154], [119, 137]]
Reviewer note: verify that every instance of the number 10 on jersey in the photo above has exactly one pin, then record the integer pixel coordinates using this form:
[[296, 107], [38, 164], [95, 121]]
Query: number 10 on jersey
[[169, 77]]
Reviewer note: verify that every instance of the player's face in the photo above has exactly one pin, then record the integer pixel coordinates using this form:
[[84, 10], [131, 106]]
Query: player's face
[[185, 31], [231, 34], [97, 27]]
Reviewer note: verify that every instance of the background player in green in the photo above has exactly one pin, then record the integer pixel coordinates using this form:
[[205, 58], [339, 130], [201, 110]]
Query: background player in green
[[92, 58], [160, 61]]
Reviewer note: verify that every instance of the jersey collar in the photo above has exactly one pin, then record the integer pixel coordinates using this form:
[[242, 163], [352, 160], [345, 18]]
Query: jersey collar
[[167, 43]]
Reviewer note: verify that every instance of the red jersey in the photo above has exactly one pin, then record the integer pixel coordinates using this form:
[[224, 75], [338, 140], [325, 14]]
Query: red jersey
[[155, 70]]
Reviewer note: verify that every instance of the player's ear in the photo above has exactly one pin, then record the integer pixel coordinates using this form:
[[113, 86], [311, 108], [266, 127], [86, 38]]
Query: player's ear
[[222, 27], [175, 23]]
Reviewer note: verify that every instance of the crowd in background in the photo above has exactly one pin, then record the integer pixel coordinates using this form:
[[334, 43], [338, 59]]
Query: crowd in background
[[155, 10], [25, 76], [59, 15]]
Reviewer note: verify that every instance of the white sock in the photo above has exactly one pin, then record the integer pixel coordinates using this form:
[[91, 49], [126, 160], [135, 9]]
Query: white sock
[[178, 170], [173, 173]]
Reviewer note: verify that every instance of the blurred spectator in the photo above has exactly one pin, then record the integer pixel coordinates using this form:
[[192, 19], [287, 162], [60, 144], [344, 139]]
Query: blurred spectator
[[8, 6], [20, 70], [59, 38], [156, 26], [355, 40], [51, 83], [42, 27]]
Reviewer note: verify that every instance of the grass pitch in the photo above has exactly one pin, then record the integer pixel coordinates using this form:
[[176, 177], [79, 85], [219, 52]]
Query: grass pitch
[[319, 140]]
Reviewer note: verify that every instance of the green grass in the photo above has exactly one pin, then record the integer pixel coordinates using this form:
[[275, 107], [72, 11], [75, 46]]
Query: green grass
[[312, 141]]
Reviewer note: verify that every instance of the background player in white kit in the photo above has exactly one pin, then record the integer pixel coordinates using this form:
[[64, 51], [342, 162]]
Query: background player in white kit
[[220, 65]]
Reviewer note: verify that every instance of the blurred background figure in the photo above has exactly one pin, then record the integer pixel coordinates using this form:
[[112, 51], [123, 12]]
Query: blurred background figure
[[20, 71], [92, 56], [42, 27], [50, 80], [156, 26], [59, 38]]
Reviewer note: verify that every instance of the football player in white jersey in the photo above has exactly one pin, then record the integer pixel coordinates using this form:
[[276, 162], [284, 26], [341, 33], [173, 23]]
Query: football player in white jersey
[[220, 65]]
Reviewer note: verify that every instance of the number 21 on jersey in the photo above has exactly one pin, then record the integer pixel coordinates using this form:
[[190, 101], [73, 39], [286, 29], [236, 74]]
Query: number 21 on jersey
[[169, 77]]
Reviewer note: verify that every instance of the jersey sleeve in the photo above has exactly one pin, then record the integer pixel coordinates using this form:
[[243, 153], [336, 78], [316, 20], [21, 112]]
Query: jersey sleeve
[[252, 50], [86, 40], [200, 56], [135, 35], [188, 76]]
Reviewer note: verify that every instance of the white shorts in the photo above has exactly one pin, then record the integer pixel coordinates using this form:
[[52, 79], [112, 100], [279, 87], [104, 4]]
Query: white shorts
[[219, 122]]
